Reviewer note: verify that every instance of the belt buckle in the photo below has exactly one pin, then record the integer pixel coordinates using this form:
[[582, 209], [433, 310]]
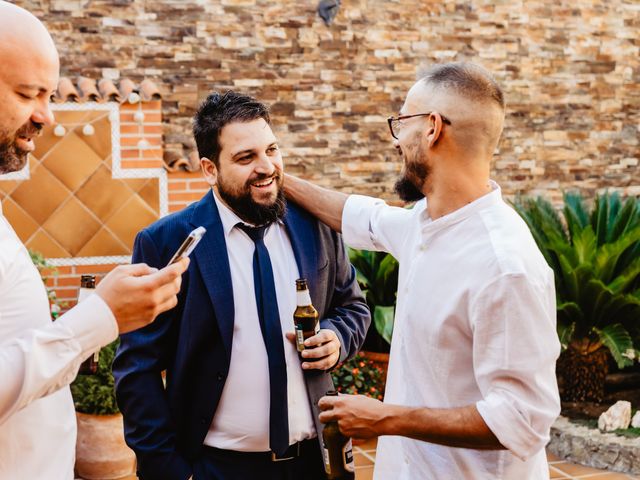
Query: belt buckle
[[274, 457]]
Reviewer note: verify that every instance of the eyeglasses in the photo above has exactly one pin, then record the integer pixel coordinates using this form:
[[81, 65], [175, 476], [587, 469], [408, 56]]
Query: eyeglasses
[[395, 123]]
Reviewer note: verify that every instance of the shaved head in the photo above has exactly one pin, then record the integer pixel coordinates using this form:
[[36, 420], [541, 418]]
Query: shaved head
[[28, 77], [469, 96], [448, 129]]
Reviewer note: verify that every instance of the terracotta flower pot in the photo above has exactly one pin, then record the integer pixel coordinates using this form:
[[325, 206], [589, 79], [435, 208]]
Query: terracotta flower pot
[[101, 453]]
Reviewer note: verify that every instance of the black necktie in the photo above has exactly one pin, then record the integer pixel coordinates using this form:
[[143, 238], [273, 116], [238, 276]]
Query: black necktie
[[269, 316]]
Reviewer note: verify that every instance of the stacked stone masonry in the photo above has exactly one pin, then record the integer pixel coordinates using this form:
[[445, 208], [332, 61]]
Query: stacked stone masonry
[[570, 69]]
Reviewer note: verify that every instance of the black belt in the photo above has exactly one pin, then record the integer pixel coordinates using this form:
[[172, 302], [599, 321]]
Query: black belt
[[294, 451]]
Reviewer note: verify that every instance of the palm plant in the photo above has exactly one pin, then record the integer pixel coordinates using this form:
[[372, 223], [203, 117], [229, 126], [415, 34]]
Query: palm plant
[[377, 274], [596, 259]]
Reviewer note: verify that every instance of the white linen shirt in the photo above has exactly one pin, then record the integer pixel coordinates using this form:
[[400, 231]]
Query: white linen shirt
[[474, 324], [241, 421], [38, 360]]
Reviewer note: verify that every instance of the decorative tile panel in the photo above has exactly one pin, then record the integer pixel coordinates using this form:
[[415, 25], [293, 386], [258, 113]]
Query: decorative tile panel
[[76, 204]]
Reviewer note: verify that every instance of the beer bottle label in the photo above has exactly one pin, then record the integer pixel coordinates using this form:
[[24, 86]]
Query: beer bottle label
[[299, 339], [347, 456], [327, 463]]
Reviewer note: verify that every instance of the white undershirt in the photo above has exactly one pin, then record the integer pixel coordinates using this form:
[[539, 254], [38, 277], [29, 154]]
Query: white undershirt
[[474, 324], [241, 421]]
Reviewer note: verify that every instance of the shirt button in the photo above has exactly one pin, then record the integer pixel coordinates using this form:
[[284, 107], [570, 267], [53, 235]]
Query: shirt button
[[220, 376]]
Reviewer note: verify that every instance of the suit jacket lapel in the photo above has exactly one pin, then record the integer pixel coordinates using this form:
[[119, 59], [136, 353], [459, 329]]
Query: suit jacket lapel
[[213, 262], [302, 233]]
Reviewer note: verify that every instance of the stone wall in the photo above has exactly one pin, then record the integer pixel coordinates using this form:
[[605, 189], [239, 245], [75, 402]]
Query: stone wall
[[570, 69]]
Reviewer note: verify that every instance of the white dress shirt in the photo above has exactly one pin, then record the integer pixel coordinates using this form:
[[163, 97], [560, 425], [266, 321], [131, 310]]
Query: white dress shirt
[[38, 360], [475, 324], [241, 421]]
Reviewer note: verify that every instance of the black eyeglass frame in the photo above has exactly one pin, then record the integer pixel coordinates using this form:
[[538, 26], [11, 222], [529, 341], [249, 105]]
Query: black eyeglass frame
[[391, 120]]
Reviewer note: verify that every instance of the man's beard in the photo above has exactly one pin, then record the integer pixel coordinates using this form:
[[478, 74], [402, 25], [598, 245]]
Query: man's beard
[[414, 175], [12, 157], [247, 208]]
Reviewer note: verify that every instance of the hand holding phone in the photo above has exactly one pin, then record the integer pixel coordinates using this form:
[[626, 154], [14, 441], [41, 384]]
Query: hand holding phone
[[189, 244]]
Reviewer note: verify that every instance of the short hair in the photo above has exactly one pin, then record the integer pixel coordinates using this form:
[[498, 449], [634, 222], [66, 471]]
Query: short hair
[[467, 79], [218, 110]]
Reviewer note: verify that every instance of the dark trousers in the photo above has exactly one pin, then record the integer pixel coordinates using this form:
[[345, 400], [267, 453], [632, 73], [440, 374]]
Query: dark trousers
[[216, 464]]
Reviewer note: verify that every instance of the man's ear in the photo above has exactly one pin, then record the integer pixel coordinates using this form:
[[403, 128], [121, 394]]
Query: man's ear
[[434, 129], [209, 171]]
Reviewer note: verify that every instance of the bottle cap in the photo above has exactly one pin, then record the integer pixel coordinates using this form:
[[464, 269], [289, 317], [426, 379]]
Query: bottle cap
[[331, 393], [301, 284], [88, 281]]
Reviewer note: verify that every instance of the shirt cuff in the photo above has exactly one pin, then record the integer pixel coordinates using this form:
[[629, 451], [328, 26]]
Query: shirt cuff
[[510, 427], [92, 323], [356, 221]]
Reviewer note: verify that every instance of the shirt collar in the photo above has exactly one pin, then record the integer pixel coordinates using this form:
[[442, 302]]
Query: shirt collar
[[430, 226], [228, 217]]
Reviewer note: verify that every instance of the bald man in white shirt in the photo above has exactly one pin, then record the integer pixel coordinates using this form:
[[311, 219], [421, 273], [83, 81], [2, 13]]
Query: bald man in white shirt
[[471, 390], [38, 358]]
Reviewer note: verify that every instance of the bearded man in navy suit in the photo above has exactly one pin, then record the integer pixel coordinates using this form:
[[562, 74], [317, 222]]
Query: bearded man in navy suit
[[238, 402]]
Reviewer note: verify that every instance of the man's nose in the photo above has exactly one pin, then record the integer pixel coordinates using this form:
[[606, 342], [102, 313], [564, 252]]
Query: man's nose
[[43, 114], [264, 165]]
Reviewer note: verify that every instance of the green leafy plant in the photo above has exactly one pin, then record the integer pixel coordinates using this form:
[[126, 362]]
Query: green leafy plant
[[359, 375], [47, 270], [377, 274], [95, 394], [596, 259]]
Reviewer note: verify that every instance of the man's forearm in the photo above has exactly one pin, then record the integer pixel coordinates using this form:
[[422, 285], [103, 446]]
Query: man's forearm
[[454, 427], [325, 204]]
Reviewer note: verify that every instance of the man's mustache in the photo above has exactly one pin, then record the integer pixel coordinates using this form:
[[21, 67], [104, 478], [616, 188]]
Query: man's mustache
[[30, 130], [262, 176]]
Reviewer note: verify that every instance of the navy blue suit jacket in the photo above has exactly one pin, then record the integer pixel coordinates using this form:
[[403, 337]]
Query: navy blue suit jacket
[[192, 342]]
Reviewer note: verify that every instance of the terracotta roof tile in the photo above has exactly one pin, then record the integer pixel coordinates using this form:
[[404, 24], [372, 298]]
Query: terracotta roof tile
[[104, 90], [174, 162], [108, 90], [88, 89], [67, 91], [149, 91]]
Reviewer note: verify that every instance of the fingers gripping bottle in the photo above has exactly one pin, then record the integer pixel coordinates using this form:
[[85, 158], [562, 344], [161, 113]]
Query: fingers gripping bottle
[[338, 451]]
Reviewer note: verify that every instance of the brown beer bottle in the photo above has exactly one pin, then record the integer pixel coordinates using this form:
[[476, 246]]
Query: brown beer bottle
[[306, 316], [337, 451], [87, 287]]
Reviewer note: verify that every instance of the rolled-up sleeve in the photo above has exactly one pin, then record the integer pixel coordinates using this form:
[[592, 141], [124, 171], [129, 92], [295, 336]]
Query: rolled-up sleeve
[[370, 224], [515, 347]]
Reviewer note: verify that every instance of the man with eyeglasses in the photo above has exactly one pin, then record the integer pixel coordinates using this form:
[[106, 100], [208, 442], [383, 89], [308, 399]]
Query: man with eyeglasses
[[471, 390]]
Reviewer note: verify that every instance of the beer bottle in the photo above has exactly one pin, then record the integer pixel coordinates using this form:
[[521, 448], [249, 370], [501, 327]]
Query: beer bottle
[[337, 451], [306, 316], [87, 287]]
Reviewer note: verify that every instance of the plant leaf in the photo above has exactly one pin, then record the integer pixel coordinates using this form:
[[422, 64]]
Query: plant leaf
[[616, 338], [383, 320]]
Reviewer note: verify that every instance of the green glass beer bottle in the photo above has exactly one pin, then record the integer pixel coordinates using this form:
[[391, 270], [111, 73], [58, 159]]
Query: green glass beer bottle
[[87, 287], [305, 316], [338, 451]]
